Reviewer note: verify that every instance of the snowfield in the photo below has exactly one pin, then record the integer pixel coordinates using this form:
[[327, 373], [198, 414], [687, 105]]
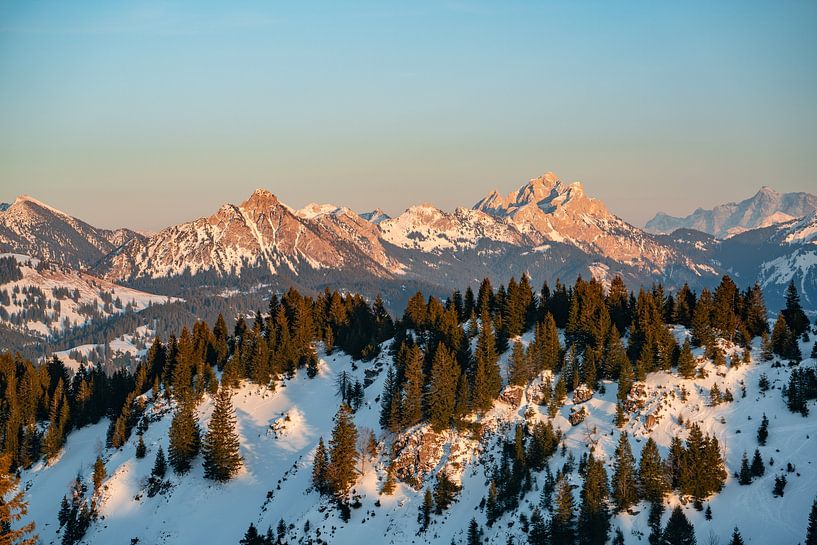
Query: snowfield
[[280, 429]]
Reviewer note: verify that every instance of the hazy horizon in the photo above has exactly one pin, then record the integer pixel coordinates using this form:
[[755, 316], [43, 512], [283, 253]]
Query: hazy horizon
[[238, 200], [148, 115]]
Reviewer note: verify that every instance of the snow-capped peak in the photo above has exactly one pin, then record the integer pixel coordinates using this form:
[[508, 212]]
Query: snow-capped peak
[[313, 209], [375, 217]]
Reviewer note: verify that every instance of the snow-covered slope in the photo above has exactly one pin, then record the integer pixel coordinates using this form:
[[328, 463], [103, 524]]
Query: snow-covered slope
[[767, 207], [548, 209], [51, 298], [261, 232], [31, 227], [429, 229], [279, 431]]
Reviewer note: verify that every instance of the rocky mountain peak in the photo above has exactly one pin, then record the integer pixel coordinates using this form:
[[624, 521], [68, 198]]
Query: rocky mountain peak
[[260, 199]]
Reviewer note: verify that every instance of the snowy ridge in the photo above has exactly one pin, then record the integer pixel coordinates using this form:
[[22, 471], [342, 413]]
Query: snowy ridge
[[280, 429], [429, 229], [767, 207], [50, 298]]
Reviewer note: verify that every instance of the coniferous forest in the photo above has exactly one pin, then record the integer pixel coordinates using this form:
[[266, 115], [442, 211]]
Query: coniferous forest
[[452, 360]]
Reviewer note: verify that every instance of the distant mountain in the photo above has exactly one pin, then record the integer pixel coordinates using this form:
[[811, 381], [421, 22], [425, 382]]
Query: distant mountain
[[547, 228], [547, 209], [259, 233], [375, 216], [767, 207], [31, 227]]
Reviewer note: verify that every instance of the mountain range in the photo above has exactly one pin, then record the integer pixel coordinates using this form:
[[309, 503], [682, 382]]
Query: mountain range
[[547, 228], [767, 207]]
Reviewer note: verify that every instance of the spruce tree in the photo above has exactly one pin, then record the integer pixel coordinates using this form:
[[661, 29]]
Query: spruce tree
[[99, 473], [594, 517], [686, 361], [343, 453], [222, 458], [763, 431], [793, 313], [736, 537], [563, 522], [424, 516], [159, 465], [441, 397], [745, 474], [757, 468], [624, 484], [411, 409], [474, 532], [538, 533], [13, 508], [185, 437], [811, 530], [678, 531], [141, 449], [486, 381], [320, 466], [652, 477], [518, 365], [389, 484], [445, 490]]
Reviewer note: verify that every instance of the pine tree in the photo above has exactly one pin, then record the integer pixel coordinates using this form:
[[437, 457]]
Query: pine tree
[[159, 465], [441, 397], [342, 453], [185, 438], [594, 517], [538, 533], [445, 490], [624, 484], [745, 475], [793, 313], [252, 537], [686, 361], [518, 365], [13, 508], [411, 410], [492, 508], [99, 473], [678, 531], [618, 538], [424, 516], [222, 458], [811, 530], [141, 449], [763, 431], [757, 468], [320, 466], [474, 533], [563, 523], [389, 484], [736, 537], [486, 381], [652, 477]]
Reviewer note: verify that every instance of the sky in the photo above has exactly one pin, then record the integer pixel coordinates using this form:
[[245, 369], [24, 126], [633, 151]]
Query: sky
[[147, 114]]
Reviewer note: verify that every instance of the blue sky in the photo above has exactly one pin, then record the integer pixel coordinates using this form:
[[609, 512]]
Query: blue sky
[[150, 113]]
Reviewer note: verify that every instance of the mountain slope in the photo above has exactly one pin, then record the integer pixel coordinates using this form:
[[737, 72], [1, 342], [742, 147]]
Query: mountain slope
[[547, 209], [31, 227], [259, 233], [280, 429], [48, 299], [767, 207]]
